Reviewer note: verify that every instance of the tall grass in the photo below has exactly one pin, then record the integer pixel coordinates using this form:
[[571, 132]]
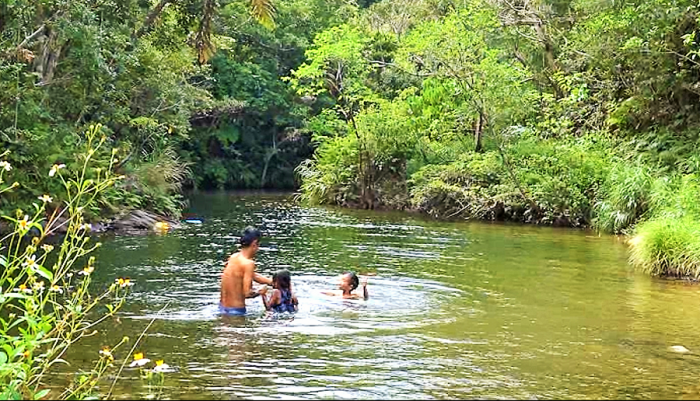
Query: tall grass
[[159, 179], [665, 246], [624, 196], [163, 171], [669, 243]]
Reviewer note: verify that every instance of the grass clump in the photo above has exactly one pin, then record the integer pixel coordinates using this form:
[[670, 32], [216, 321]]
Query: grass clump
[[668, 244], [665, 246]]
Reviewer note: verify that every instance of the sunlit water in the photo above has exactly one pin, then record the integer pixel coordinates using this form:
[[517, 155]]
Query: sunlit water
[[456, 310]]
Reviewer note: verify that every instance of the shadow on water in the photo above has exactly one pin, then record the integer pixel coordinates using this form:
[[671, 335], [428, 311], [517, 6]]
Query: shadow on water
[[456, 310]]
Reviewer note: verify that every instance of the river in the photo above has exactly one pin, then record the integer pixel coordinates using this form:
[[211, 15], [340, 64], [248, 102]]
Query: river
[[456, 310]]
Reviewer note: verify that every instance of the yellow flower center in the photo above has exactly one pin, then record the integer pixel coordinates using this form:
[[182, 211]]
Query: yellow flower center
[[138, 356], [158, 363], [22, 287]]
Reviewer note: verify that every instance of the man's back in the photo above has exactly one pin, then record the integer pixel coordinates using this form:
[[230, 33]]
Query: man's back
[[232, 281]]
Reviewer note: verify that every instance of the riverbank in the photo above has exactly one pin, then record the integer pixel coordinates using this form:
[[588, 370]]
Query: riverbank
[[585, 182], [134, 222]]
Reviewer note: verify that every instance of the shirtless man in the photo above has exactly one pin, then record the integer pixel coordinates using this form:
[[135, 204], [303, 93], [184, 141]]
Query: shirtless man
[[239, 274]]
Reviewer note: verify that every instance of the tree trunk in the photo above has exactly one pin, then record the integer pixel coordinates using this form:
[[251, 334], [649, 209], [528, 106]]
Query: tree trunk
[[366, 194], [478, 129], [369, 187], [268, 158], [45, 63], [549, 59]]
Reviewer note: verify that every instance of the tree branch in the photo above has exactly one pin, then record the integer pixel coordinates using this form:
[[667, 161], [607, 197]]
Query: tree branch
[[150, 19], [31, 37]]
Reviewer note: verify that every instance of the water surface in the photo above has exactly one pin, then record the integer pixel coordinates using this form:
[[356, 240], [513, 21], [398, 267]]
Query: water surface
[[456, 310]]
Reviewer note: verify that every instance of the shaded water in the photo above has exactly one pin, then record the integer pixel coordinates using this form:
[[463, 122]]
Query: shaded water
[[456, 310]]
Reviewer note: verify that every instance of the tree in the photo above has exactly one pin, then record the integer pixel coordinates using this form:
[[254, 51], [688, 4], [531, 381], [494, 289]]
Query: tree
[[338, 67], [491, 87]]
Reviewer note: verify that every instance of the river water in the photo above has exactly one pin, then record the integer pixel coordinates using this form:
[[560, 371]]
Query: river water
[[456, 310]]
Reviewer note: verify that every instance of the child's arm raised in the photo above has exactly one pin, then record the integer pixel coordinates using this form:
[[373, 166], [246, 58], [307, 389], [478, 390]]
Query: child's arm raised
[[295, 302], [363, 282]]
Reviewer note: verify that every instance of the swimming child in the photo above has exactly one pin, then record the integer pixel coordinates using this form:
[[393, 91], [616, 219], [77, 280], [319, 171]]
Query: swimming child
[[347, 284], [282, 298]]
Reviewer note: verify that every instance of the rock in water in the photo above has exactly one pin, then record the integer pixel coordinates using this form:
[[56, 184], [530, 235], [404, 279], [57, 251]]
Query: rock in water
[[679, 349], [137, 220]]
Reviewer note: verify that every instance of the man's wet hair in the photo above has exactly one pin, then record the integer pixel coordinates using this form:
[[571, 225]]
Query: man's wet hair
[[282, 279], [354, 280], [250, 235]]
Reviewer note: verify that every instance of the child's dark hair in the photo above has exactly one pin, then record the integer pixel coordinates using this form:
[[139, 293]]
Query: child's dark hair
[[282, 279], [354, 280], [250, 235]]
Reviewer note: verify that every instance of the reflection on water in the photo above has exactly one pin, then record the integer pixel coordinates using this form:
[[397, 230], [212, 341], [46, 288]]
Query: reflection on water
[[455, 311]]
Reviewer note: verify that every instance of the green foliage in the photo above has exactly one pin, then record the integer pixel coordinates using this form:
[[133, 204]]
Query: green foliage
[[532, 180], [86, 66], [157, 178], [555, 112], [337, 64], [49, 303], [331, 176], [667, 243], [486, 85], [259, 142], [604, 96]]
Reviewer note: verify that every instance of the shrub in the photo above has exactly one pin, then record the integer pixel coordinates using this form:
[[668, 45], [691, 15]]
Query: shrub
[[532, 181]]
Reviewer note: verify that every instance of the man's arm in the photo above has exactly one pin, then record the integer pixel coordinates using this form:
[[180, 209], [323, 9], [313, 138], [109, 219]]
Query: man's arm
[[260, 279], [248, 282]]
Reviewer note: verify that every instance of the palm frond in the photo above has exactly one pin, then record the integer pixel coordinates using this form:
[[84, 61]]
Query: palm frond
[[205, 47], [263, 11]]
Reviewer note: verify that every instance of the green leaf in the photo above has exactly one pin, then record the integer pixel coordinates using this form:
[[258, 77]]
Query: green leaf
[[41, 394], [10, 394], [43, 272], [3, 358], [228, 135], [59, 360], [14, 295]]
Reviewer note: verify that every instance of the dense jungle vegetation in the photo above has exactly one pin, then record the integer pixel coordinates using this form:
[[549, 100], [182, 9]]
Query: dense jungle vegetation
[[563, 112]]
